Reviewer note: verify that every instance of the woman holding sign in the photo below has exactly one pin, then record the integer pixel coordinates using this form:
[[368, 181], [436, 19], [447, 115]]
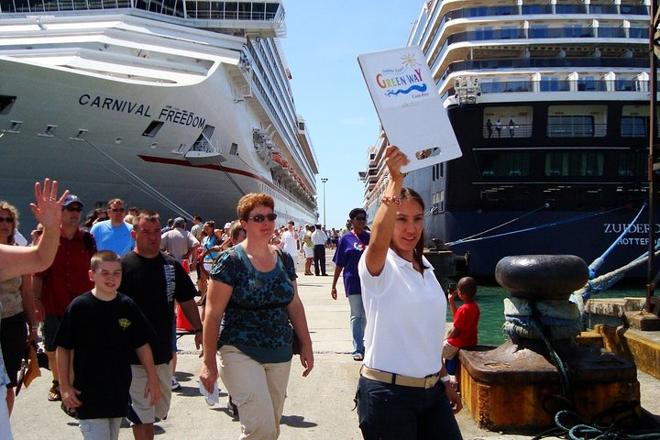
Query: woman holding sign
[[404, 390]]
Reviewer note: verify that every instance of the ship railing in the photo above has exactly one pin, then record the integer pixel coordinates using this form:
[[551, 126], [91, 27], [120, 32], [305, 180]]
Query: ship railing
[[506, 131], [533, 33], [572, 130], [207, 10], [642, 63], [552, 85], [504, 11], [494, 11], [554, 130]]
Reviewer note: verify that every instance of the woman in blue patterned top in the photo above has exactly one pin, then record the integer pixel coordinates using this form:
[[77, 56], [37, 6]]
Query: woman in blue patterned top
[[254, 286]]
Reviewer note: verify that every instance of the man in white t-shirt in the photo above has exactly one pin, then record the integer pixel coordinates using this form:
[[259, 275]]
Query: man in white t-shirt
[[319, 238], [290, 242]]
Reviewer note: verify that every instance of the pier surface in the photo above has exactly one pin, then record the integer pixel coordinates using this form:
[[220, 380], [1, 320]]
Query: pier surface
[[317, 407]]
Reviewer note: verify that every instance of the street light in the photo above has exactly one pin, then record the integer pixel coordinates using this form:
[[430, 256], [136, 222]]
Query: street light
[[323, 180]]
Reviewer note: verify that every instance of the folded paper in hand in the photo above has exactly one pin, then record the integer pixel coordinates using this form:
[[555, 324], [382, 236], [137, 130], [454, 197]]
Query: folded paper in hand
[[409, 106]]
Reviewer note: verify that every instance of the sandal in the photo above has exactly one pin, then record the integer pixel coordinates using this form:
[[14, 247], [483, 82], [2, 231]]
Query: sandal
[[54, 392]]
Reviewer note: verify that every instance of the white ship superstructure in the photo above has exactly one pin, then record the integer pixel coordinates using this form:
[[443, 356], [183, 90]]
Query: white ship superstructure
[[549, 102], [178, 106]]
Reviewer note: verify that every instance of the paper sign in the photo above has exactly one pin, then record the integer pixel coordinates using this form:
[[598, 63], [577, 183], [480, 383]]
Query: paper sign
[[409, 106]]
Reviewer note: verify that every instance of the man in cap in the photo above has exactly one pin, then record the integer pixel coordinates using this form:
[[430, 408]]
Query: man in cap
[[114, 234], [65, 279], [178, 242]]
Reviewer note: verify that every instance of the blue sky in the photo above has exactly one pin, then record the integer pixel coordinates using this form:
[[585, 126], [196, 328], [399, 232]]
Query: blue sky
[[324, 38]]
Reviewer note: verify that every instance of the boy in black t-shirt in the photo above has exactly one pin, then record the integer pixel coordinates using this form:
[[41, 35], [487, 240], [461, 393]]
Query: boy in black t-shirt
[[102, 327]]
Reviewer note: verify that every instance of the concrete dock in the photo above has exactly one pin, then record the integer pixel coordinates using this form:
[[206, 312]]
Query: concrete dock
[[318, 407]]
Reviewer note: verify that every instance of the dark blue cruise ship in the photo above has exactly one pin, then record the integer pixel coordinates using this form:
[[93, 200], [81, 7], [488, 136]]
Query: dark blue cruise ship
[[549, 102]]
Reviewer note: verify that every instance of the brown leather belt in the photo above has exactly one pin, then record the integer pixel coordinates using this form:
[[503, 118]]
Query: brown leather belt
[[398, 379]]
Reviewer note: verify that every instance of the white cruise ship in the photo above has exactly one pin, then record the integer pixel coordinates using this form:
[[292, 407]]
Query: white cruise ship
[[178, 106], [549, 100]]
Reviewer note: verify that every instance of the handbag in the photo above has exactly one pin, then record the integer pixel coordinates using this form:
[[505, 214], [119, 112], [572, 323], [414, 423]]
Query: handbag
[[295, 348], [29, 368]]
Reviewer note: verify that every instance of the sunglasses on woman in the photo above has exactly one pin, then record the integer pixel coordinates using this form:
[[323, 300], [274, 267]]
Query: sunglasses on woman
[[6, 220], [260, 218]]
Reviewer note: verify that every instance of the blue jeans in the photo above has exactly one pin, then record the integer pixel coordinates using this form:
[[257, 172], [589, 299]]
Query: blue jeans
[[358, 323], [395, 412]]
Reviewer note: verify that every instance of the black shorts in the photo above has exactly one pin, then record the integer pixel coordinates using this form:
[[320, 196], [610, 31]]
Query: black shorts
[[49, 331], [13, 337]]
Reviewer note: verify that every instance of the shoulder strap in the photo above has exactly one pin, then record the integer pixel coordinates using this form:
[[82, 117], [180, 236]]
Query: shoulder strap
[[286, 262]]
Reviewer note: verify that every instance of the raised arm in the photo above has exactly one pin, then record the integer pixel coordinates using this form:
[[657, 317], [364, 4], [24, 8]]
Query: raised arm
[[47, 209], [383, 225]]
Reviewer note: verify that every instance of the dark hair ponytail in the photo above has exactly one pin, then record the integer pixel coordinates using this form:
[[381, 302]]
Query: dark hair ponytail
[[418, 252]]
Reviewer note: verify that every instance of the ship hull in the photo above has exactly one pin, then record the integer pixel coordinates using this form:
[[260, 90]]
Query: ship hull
[[585, 234], [580, 216], [97, 148]]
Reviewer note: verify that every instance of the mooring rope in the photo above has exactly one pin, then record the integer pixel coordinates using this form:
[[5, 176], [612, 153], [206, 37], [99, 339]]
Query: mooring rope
[[535, 228], [598, 262]]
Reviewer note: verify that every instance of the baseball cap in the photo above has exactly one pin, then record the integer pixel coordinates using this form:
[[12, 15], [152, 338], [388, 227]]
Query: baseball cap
[[71, 199], [179, 221], [227, 225]]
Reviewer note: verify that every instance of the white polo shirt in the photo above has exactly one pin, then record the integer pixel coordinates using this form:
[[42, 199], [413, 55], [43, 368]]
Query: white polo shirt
[[406, 313]]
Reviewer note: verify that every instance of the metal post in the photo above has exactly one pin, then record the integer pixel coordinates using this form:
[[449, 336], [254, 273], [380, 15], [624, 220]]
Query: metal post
[[650, 275], [323, 180]]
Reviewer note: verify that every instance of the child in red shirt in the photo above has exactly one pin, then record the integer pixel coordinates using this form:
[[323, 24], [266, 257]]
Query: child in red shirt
[[466, 318]]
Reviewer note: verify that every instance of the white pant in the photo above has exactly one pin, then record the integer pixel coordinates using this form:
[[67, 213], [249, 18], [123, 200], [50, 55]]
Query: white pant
[[5, 428]]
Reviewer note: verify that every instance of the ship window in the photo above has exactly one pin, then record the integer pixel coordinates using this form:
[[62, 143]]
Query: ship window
[[504, 163], [6, 103], [203, 10], [632, 163], [244, 11], [169, 7], [633, 126], [152, 128], [574, 164], [233, 149], [191, 9], [271, 10], [538, 32], [15, 127], [258, 11], [231, 10], [36, 5], [571, 126]]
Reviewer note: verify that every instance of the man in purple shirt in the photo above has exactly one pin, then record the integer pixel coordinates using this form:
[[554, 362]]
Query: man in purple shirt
[[349, 250]]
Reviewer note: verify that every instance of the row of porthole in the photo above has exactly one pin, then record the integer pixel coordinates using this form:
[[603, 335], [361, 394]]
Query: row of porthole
[[15, 128]]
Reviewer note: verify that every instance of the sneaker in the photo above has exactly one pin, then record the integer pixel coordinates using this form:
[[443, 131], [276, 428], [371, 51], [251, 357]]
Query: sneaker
[[175, 385]]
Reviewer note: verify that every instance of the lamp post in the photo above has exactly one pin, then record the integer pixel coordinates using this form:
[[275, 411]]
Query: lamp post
[[323, 180]]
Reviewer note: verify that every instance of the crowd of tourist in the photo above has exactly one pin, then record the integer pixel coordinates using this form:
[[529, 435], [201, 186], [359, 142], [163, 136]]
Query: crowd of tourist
[[120, 277]]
